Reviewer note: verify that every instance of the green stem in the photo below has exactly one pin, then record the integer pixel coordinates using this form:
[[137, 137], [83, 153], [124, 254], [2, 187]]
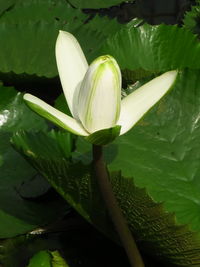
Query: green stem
[[115, 212]]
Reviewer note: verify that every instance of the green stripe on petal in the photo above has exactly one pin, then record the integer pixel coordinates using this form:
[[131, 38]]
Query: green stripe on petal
[[72, 66], [135, 105], [59, 118], [99, 99]]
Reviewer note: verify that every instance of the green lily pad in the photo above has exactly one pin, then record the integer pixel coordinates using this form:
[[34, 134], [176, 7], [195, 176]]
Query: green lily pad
[[57, 260], [36, 10], [41, 259], [5, 5], [61, 104], [29, 31], [191, 19], [160, 154], [47, 259], [95, 4], [18, 213], [165, 151], [153, 48]]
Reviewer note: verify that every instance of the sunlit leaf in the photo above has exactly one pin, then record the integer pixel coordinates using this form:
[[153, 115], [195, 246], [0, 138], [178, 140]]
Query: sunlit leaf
[[161, 154], [29, 31], [153, 48]]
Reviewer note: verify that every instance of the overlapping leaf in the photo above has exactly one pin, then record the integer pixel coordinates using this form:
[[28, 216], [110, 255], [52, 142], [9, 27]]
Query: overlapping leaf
[[163, 151], [191, 19], [37, 10], [28, 35], [29, 31], [154, 48], [19, 212], [161, 154], [95, 4], [47, 259]]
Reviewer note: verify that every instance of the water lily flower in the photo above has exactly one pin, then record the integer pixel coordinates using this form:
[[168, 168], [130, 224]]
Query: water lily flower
[[93, 94]]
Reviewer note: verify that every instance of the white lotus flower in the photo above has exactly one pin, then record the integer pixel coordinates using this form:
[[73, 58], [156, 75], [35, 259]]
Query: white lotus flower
[[93, 94]]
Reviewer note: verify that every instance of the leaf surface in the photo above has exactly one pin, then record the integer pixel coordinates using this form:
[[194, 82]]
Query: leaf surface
[[19, 213], [5, 5], [161, 154], [191, 19], [40, 259], [45, 258], [153, 48], [29, 31], [95, 4], [161, 151]]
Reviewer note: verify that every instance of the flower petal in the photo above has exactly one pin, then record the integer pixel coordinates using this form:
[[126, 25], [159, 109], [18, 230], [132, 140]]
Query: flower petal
[[135, 105], [59, 118], [100, 95], [72, 66]]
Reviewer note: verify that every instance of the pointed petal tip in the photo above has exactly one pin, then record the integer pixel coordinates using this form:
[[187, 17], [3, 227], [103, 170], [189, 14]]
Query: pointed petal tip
[[172, 73], [66, 34], [59, 118], [28, 96], [25, 95]]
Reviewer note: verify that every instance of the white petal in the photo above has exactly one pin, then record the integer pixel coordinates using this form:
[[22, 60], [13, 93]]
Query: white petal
[[135, 105], [72, 66], [59, 118], [100, 95]]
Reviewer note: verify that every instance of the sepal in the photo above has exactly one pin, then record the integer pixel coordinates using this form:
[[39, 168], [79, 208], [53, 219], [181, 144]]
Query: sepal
[[105, 136]]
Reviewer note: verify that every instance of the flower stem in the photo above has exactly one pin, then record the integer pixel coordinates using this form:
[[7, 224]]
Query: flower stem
[[114, 210]]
